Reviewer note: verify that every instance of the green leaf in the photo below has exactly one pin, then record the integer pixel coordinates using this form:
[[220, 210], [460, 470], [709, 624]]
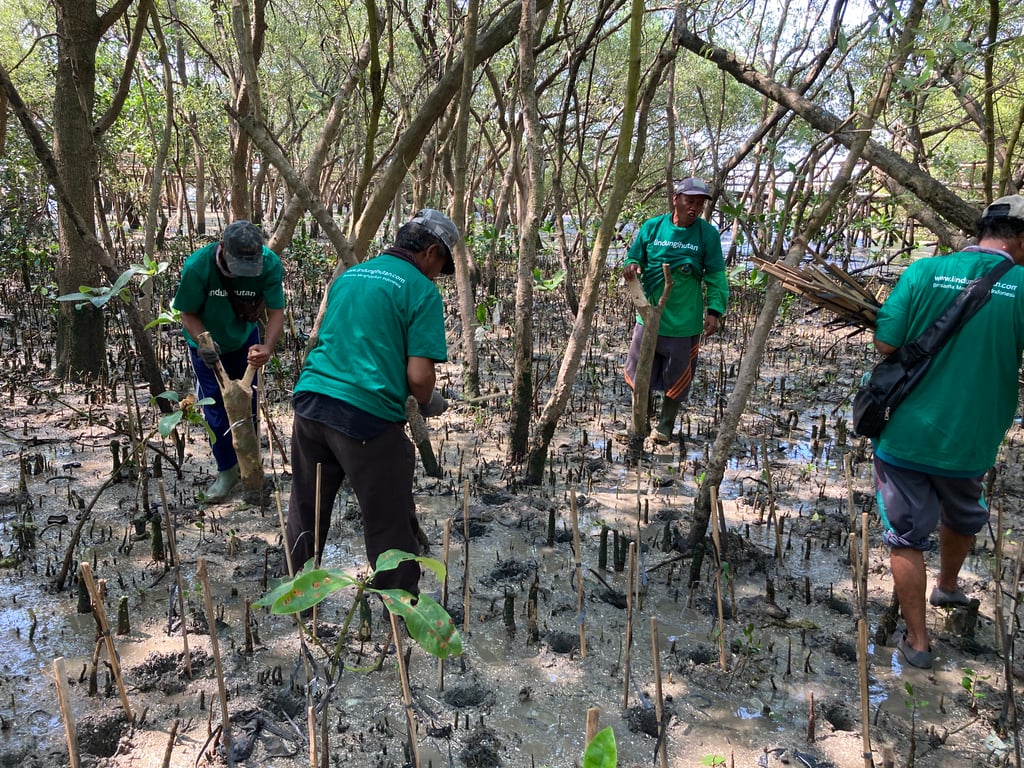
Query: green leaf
[[388, 561], [427, 621], [169, 422], [305, 590], [601, 751]]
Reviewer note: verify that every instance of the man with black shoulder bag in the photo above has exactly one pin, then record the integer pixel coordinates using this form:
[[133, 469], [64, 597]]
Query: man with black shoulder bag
[[934, 449]]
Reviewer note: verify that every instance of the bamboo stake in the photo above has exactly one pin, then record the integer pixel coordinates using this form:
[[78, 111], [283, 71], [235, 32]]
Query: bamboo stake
[[211, 618], [68, 715], [446, 551], [630, 576], [465, 558], [593, 725], [101, 619], [580, 616], [865, 562], [656, 655], [173, 547], [848, 479], [865, 702], [715, 537], [403, 673], [311, 727]]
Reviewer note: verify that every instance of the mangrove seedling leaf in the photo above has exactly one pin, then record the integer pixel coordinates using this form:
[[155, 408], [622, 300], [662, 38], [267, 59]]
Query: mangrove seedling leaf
[[388, 561], [427, 621], [601, 751], [169, 422], [305, 590]]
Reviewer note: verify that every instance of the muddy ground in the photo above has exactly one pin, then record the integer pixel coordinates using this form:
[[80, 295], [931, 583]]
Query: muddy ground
[[739, 690]]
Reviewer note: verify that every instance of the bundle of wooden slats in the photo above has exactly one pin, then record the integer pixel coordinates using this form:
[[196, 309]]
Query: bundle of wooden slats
[[829, 287]]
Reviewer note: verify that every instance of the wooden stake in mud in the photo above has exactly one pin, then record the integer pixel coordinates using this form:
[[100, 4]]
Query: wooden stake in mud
[[465, 558], [593, 723], [658, 707], [172, 545], [716, 539], [445, 552], [630, 578], [580, 616], [211, 618], [403, 673], [865, 702], [651, 317], [237, 395], [64, 703], [101, 620]]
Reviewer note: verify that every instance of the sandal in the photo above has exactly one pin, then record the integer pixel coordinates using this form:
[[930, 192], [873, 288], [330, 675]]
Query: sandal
[[943, 599], [914, 657]]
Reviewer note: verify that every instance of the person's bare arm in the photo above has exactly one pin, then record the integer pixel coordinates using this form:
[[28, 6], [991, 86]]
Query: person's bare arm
[[885, 349], [260, 354], [193, 324], [420, 373]]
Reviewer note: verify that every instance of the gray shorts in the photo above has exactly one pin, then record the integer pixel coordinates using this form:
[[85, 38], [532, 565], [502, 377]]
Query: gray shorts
[[675, 362], [913, 503]]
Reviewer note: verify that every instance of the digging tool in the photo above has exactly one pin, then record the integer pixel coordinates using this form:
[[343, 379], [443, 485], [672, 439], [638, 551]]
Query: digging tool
[[237, 395]]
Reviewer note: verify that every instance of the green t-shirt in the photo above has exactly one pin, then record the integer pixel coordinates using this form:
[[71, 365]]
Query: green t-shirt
[[201, 291], [379, 314], [694, 254], [956, 417]]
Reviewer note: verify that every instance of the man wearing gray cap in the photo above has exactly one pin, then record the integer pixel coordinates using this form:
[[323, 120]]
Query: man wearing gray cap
[[693, 250], [381, 335], [936, 447], [224, 289]]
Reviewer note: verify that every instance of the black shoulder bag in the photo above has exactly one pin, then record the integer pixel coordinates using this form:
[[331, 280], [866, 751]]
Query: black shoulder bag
[[895, 376]]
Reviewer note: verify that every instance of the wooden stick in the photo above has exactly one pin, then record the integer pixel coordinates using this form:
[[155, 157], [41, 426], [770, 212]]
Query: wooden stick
[[715, 538], [465, 558], [593, 725], [403, 673], [211, 618], [68, 715], [630, 578], [864, 563], [658, 707], [311, 727], [173, 547], [865, 702], [101, 619], [445, 552], [169, 749], [580, 620]]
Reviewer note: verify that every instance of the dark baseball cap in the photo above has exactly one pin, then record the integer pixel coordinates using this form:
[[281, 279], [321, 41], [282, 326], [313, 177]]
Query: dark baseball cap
[[691, 186], [243, 249], [441, 227]]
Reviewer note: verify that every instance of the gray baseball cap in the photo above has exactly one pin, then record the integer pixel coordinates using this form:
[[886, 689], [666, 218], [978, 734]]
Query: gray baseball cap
[[1009, 207], [691, 186], [441, 227], [243, 249]]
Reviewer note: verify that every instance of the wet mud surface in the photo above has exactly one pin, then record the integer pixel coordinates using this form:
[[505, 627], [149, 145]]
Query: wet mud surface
[[772, 682]]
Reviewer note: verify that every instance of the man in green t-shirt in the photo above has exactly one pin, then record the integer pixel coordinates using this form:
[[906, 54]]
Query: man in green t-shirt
[[224, 289], [382, 334], [932, 456], [693, 250]]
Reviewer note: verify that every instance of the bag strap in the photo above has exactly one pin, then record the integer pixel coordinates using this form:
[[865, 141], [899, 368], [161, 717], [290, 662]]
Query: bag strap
[[972, 298]]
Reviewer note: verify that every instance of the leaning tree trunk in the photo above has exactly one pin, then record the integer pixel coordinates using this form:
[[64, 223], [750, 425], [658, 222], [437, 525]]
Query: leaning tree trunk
[[625, 172], [522, 364], [751, 362]]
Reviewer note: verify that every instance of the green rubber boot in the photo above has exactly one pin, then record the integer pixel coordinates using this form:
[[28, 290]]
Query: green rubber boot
[[662, 434], [223, 485]]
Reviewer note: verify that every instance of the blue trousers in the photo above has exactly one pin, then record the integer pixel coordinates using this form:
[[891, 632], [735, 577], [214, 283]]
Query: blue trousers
[[235, 364]]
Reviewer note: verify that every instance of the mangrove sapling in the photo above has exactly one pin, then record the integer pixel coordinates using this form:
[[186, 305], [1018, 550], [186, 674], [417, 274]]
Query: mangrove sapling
[[426, 620], [914, 705]]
